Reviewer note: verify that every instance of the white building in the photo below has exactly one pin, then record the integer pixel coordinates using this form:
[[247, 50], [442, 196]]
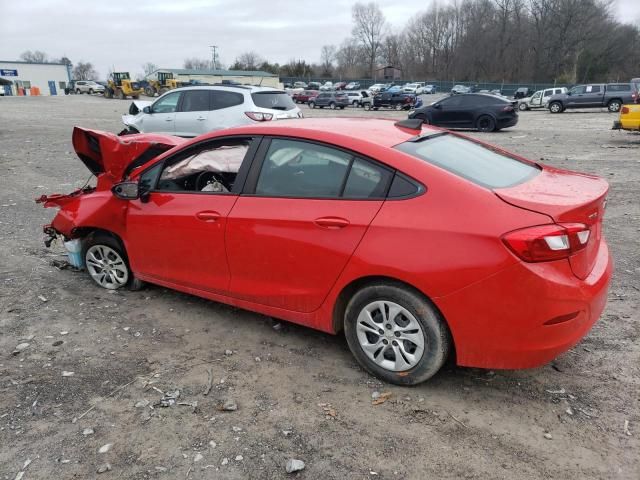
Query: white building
[[264, 79], [22, 78]]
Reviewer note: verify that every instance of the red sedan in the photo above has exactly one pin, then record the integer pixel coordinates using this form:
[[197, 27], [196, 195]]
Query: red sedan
[[417, 242], [304, 96]]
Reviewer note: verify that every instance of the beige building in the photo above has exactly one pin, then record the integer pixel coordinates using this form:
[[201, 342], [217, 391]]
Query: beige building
[[264, 79]]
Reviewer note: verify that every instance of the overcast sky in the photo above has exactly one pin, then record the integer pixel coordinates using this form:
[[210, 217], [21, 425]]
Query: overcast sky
[[127, 34]]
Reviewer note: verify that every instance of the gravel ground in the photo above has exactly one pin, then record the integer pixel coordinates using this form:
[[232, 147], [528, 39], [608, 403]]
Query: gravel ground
[[299, 393]]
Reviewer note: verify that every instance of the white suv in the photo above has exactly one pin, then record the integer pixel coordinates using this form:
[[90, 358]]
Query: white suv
[[192, 111], [88, 86]]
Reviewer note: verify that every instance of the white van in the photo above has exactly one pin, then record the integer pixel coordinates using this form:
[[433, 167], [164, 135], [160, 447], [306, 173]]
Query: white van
[[540, 99]]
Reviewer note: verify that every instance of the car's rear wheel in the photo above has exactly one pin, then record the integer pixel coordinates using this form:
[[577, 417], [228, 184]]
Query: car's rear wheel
[[396, 334], [614, 105], [91, 91], [555, 107], [486, 124], [107, 263], [332, 106]]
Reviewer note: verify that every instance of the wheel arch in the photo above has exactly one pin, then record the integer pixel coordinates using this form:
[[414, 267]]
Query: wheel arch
[[86, 231]]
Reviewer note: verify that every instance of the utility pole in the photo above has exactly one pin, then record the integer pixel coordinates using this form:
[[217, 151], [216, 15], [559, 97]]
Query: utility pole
[[214, 56]]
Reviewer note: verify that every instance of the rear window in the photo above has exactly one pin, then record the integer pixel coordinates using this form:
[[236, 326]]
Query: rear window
[[273, 100], [470, 160]]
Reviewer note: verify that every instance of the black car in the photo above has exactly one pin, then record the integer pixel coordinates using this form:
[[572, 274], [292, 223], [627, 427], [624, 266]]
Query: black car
[[332, 100], [484, 112], [397, 100], [523, 92]]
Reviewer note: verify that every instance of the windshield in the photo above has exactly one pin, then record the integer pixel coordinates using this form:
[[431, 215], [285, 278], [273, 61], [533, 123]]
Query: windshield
[[274, 100], [470, 160]]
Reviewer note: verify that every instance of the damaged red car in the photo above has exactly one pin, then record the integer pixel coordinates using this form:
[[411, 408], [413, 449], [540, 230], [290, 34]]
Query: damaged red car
[[417, 242]]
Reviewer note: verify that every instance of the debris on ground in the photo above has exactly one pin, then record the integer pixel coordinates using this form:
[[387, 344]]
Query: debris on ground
[[169, 399], [105, 448], [225, 460], [88, 431], [43, 298], [20, 347], [626, 428], [381, 398], [294, 465], [142, 403], [228, 405], [209, 382], [68, 374], [329, 411], [198, 457], [104, 468], [239, 458], [228, 352], [548, 436], [57, 343]]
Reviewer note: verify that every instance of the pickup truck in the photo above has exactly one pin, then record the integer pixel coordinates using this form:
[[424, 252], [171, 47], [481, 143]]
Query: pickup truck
[[540, 99], [595, 95]]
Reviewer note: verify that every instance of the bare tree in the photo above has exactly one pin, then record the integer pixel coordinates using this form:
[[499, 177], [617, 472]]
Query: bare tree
[[248, 61], [368, 29], [148, 68], [34, 57], [197, 64], [349, 59], [327, 56], [84, 71]]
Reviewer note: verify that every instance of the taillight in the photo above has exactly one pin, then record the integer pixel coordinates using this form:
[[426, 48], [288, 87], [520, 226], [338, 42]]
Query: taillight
[[625, 110], [544, 243], [508, 108], [259, 116]]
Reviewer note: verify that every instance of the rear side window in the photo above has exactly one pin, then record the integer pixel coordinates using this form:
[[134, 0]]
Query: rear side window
[[366, 180], [273, 100], [222, 99], [195, 101], [470, 160]]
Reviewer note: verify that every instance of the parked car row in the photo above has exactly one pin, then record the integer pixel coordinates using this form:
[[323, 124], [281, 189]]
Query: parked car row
[[596, 95]]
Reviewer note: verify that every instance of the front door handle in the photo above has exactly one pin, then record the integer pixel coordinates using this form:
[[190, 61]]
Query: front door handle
[[200, 119], [208, 216], [332, 223], [168, 119]]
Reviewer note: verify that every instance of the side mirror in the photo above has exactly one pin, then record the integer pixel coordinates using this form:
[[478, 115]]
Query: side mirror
[[569, 93], [147, 109], [437, 105], [126, 190]]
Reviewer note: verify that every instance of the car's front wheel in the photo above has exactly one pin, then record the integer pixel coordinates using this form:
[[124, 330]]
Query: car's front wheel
[[78, 91], [312, 105], [396, 334], [107, 263], [523, 106], [332, 106], [367, 106]]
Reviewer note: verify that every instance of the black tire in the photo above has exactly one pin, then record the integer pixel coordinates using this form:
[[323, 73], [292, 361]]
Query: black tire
[[103, 239], [614, 105], [435, 333], [312, 105], [332, 106], [355, 104], [367, 106], [91, 91], [342, 108], [78, 91], [556, 107], [121, 95], [485, 124]]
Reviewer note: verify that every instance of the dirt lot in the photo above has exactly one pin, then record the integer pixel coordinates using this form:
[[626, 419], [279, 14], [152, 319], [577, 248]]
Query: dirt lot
[[299, 393]]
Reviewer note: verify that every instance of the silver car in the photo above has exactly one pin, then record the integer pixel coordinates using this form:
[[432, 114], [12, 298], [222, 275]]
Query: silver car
[[192, 111], [88, 86]]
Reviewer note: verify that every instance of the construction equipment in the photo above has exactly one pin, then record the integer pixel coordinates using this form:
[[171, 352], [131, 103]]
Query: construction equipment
[[121, 86], [163, 83]]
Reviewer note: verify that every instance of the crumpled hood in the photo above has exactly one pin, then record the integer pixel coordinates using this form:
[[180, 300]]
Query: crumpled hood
[[107, 153]]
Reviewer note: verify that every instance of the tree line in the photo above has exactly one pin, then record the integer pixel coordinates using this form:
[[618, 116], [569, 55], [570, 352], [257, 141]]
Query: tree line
[[514, 41], [80, 71]]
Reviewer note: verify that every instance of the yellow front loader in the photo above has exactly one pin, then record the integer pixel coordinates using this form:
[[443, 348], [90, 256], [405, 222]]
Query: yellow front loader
[[121, 86]]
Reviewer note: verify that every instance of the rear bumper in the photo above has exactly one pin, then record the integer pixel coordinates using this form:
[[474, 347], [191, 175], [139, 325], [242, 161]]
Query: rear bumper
[[616, 125], [507, 122], [527, 314]]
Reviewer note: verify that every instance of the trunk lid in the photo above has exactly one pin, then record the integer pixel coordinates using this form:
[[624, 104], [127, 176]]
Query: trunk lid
[[107, 153], [566, 197]]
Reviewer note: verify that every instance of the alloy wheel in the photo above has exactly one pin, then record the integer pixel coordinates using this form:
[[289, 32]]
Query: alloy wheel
[[390, 335], [107, 268]]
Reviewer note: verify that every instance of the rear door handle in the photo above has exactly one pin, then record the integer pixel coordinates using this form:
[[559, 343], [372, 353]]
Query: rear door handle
[[168, 119], [331, 222], [208, 216], [200, 119]]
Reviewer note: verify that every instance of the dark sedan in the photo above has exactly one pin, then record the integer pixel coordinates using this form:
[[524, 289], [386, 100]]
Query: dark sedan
[[484, 112]]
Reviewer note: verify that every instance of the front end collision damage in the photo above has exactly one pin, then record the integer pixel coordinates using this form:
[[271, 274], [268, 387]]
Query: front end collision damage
[[111, 159]]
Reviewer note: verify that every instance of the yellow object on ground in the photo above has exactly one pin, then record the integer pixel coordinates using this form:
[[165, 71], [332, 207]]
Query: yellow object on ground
[[629, 118]]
